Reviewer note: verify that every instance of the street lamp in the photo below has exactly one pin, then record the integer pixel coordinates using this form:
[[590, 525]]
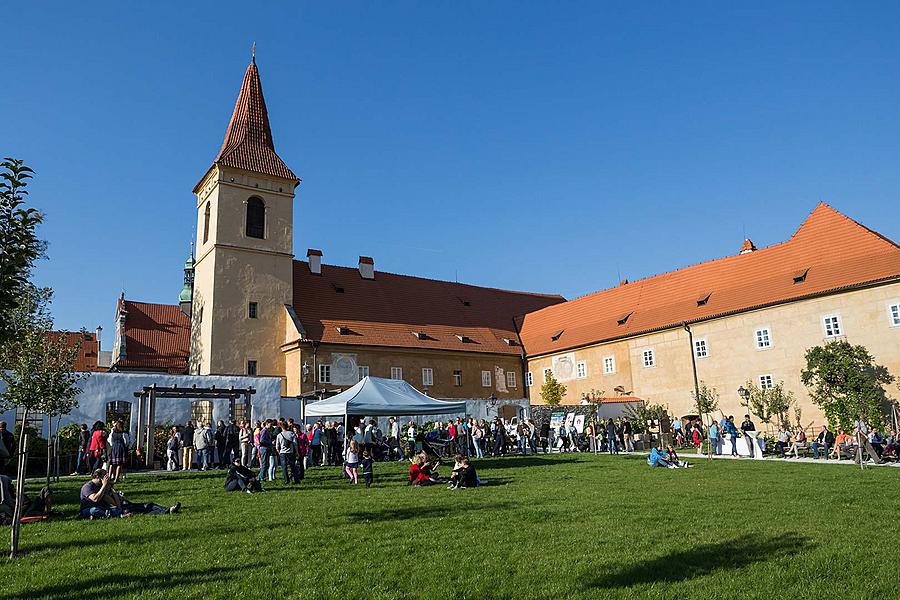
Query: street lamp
[[743, 393]]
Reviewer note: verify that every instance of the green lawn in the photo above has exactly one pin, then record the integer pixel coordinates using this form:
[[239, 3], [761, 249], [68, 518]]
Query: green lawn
[[545, 527]]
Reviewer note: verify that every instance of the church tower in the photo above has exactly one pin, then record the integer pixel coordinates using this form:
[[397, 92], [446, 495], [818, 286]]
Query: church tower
[[243, 273]]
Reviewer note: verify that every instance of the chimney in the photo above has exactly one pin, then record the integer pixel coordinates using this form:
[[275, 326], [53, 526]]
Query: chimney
[[748, 246], [315, 261], [98, 332], [366, 267]]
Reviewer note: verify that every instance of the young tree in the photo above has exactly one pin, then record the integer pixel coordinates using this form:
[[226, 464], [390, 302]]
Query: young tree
[[706, 402], [846, 383], [38, 373], [19, 245], [769, 403], [552, 392]]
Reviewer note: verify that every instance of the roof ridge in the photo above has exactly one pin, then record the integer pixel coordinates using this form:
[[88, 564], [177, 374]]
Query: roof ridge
[[471, 285], [824, 205]]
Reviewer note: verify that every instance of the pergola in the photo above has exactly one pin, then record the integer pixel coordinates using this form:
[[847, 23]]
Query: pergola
[[148, 395]]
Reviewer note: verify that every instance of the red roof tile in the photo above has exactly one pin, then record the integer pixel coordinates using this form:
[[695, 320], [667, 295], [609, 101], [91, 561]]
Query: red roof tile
[[86, 359], [834, 251], [248, 142], [157, 338], [391, 309]]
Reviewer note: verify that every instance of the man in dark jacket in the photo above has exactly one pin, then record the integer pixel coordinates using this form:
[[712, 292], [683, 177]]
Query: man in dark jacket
[[232, 443], [187, 445], [747, 426], [9, 446], [825, 440], [84, 442], [241, 478]]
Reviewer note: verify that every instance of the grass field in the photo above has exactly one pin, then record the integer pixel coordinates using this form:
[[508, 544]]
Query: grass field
[[546, 527]]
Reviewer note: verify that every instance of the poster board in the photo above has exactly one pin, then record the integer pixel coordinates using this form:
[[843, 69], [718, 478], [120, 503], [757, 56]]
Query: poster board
[[579, 423]]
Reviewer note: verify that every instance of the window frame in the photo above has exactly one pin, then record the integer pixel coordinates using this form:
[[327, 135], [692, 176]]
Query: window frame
[[768, 338], [487, 379], [766, 385], [427, 376], [652, 356], [697, 344], [457, 378], [324, 373], [547, 371], [511, 379], [397, 373], [255, 367], [206, 214], [837, 325], [253, 310], [581, 371], [611, 361], [256, 227], [894, 321], [529, 379], [362, 371]]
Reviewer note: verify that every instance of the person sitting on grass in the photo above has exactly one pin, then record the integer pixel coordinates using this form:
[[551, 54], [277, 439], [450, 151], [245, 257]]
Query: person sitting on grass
[[657, 459], [464, 474], [673, 460], [421, 471], [240, 478], [99, 500]]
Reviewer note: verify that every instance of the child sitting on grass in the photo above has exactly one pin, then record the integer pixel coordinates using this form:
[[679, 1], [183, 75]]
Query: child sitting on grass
[[367, 463], [352, 462]]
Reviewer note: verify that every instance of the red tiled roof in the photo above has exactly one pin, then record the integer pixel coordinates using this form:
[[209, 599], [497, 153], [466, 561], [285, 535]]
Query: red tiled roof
[[248, 142], [86, 359], [834, 251], [157, 337], [391, 309]]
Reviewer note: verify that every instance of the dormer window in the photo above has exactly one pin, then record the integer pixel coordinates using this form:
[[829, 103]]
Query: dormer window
[[256, 218], [703, 299], [337, 288], [624, 318], [465, 339], [464, 302], [800, 276], [555, 337], [343, 330], [420, 335], [510, 342]]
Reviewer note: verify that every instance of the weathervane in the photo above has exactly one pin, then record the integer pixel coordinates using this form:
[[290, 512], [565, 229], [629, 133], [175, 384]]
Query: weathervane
[[253, 53]]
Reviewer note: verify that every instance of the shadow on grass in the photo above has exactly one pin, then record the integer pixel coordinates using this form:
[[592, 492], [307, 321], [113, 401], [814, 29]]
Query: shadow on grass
[[515, 462], [414, 512], [140, 537], [683, 565], [119, 584]]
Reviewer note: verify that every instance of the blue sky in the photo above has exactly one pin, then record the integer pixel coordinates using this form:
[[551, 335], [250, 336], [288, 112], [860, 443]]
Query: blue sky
[[538, 146]]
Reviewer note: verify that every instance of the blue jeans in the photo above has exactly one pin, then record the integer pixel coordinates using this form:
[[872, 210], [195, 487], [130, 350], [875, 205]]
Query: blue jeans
[[263, 462], [100, 513], [82, 458], [714, 442], [815, 448]]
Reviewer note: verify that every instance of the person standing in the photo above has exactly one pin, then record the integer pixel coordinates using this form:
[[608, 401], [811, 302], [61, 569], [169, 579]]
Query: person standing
[[219, 440], [187, 446], [286, 446], [611, 436], [731, 432], [265, 446], [477, 435], [245, 437], [8, 446], [232, 444], [499, 437], [628, 436], [714, 438], [118, 449], [316, 444], [746, 427], [84, 442], [98, 445]]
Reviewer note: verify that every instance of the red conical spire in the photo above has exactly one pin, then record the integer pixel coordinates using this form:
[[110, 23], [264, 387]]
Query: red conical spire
[[248, 142]]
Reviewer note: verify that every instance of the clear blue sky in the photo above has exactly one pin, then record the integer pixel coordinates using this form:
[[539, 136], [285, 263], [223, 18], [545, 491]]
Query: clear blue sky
[[535, 146]]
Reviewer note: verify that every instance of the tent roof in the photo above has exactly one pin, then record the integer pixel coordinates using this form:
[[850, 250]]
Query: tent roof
[[375, 396]]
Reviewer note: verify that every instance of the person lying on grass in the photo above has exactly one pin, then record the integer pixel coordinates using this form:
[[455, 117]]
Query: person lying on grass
[[421, 472], [241, 479], [99, 500]]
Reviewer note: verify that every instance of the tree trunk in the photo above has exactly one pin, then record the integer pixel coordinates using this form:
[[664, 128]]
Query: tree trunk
[[20, 488], [49, 447]]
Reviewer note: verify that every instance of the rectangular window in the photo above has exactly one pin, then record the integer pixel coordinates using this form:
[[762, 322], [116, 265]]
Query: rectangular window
[[609, 365], [548, 373], [324, 373], [510, 379], [649, 358], [700, 349], [894, 312], [457, 378], [396, 372], [427, 376], [581, 369], [252, 310], [832, 325], [529, 379], [765, 382], [363, 371], [763, 338], [251, 367], [486, 379]]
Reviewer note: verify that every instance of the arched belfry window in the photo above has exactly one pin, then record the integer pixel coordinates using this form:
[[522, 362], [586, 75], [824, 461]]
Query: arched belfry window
[[256, 218], [206, 224]]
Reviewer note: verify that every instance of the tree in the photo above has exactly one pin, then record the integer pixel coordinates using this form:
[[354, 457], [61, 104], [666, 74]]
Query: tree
[[770, 402], [19, 245], [846, 383], [552, 392], [706, 401], [38, 373]]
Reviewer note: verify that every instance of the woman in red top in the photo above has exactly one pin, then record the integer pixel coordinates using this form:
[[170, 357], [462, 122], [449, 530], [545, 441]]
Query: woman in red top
[[417, 476], [97, 447]]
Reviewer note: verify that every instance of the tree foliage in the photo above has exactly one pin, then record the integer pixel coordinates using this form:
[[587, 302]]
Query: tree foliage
[[552, 391], [643, 415], [770, 402], [707, 401], [19, 245], [846, 383]]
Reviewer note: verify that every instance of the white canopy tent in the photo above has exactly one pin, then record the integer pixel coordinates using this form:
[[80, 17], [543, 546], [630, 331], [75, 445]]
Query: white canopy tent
[[378, 397]]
